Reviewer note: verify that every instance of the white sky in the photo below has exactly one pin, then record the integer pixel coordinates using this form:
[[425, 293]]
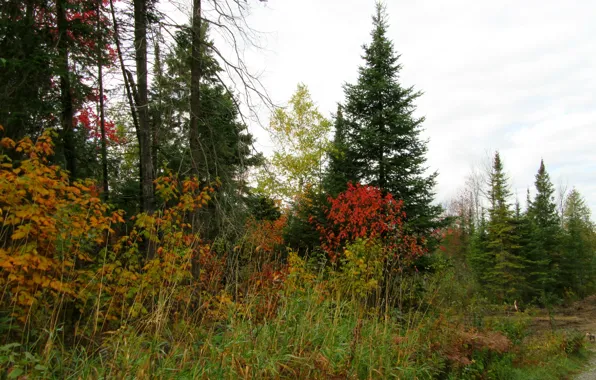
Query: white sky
[[517, 76]]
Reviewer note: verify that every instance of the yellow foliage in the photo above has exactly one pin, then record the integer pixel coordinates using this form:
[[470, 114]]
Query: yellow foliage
[[49, 221], [299, 275], [360, 270]]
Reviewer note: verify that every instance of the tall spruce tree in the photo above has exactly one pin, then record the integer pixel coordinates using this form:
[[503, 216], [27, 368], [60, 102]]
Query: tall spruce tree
[[383, 135], [522, 232], [578, 264], [546, 235], [506, 278], [340, 170], [480, 259]]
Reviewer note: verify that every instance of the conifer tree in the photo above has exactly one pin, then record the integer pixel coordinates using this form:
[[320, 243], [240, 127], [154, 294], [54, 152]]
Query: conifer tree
[[506, 279], [226, 144], [578, 264], [522, 233], [340, 170], [383, 135], [546, 235], [481, 260]]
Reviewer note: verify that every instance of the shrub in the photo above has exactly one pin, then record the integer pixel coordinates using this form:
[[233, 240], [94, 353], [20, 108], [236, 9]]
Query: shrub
[[50, 227]]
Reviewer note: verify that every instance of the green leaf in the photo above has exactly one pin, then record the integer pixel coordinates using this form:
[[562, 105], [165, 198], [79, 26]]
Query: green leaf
[[16, 372], [9, 346]]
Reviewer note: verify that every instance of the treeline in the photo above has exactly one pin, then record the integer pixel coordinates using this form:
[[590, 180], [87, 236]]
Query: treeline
[[543, 254], [186, 123]]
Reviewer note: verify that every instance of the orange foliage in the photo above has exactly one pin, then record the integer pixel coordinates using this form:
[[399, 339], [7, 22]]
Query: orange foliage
[[133, 290], [57, 244], [48, 225], [265, 235], [265, 288]]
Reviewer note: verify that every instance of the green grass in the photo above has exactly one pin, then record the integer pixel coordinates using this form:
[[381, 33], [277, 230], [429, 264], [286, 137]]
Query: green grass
[[307, 338], [314, 334]]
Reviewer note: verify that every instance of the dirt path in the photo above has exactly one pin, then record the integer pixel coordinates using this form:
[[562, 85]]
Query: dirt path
[[589, 372], [580, 316]]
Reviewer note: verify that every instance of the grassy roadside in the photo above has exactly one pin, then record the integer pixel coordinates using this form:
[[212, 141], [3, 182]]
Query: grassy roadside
[[315, 335]]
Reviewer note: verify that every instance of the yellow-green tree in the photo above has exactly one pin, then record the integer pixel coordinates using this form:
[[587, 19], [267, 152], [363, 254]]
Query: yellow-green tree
[[301, 137]]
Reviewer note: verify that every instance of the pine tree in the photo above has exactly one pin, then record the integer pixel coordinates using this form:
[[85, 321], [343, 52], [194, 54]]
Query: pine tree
[[506, 278], [522, 232], [383, 135], [48, 53], [226, 144], [340, 170], [578, 264], [546, 235], [27, 69], [480, 258]]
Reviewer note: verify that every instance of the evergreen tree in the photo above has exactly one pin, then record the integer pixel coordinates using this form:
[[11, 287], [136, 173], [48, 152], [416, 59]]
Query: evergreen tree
[[29, 99], [307, 212], [226, 145], [506, 278], [480, 258], [578, 267], [383, 135], [48, 53], [522, 232], [340, 170], [546, 235]]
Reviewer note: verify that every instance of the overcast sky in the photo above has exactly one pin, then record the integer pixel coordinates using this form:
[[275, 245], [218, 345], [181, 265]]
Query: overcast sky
[[496, 75]]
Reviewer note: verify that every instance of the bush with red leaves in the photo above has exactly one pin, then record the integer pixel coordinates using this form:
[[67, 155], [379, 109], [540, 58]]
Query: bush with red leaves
[[364, 212]]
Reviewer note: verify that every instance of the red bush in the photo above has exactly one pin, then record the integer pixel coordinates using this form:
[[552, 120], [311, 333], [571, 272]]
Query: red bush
[[363, 212]]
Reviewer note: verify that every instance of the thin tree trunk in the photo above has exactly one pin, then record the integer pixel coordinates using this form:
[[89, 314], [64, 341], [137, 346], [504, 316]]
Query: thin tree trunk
[[127, 84], [140, 41], [157, 118], [102, 122], [195, 98], [135, 97], [140, 14], [131, 103], [65, 91]]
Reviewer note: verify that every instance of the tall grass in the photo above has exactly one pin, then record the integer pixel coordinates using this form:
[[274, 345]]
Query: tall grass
[[310, 335]]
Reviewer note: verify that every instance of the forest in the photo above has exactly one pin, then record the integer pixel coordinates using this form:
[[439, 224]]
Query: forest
[[144, 236]]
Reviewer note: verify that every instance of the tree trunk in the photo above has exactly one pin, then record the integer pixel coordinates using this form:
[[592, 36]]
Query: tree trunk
[[65, 91], [157, 118], [195, 81], [135, 96], [140, 15], [127, 85], [104, 149], [140, 41]]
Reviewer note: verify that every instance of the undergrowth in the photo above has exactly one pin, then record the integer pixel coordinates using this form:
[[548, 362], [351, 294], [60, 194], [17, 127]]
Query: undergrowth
[[87, 293]]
